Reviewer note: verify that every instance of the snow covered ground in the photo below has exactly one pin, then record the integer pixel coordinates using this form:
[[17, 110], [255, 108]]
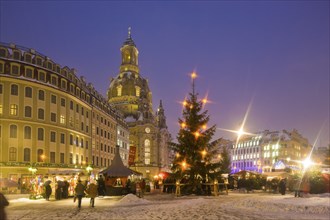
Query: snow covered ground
[[167, 206]]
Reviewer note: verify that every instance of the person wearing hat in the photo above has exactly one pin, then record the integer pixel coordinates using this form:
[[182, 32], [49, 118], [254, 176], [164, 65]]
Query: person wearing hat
[[80, 192]]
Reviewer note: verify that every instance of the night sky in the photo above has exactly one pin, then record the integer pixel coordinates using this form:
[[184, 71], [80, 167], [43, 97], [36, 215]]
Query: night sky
[[273, 55]]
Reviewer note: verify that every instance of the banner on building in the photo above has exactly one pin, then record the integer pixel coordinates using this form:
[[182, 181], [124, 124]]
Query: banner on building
[[131, 155]]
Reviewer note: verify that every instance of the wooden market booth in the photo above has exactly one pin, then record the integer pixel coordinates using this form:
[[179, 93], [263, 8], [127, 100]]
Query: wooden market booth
[[116, 176]]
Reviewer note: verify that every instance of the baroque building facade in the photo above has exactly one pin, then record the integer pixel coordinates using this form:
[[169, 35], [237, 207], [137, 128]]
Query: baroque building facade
[[129, 92], [269, 151], [51, 119]]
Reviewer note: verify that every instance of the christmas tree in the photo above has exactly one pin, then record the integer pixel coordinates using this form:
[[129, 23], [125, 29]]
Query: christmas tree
[[194, 149]]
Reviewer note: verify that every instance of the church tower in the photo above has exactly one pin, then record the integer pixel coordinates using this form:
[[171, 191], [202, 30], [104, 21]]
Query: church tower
[[148, 135]]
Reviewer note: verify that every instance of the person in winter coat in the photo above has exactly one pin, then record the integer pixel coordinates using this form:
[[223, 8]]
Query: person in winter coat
[[80, 192], [282, 186], [92, 192], [3, 203], [48, 192], [143, 187]]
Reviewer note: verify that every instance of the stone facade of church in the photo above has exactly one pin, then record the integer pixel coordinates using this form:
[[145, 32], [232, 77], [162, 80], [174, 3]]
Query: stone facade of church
[[148, 135]]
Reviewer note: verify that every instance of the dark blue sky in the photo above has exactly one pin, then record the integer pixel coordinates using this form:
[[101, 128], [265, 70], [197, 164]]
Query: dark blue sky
[[275, 53]]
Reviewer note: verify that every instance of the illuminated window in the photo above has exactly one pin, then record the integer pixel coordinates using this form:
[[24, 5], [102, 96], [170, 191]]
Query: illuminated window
[[62, 119], [119, 90], [1, 110], [137, 90], [13, 131], [13, 109], [12, 154], [147, 151]]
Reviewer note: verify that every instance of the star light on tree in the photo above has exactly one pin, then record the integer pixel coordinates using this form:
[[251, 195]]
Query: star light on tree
[[194, 149]]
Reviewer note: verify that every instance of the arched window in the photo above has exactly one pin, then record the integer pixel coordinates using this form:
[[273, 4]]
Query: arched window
[[13, 131], [12, 154], [13, 109], [41, 113], [14, 90], [27, 154], [147, 151], [28, 92], [28, 111], [40, 134], [27, 132]]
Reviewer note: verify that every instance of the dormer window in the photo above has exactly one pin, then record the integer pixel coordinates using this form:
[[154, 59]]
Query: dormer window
[[119, 90]]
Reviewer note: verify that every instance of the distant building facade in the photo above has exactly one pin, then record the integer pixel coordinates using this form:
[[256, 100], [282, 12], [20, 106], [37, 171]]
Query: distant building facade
[[268, 151], [50, 118], [129, 92]]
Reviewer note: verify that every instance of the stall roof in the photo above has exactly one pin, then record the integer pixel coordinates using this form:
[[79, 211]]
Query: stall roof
[[117, 168]]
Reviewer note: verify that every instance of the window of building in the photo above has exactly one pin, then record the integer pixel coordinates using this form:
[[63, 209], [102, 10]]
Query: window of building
[[53, 117], [14, 90], [52, 136], [137, 90], [62, 138], [40, 155], [42, 76], [61, 157], [82, 126], [28, 73], [28, 92], [28, 111], [86, 144], [27, 132], [41, 114], [71, 105], [1, 67], [41, 95], [39, 61], [1, 110], [77, 108], [119, 90], [13, 109], [40, 134], [82, 111], [15, 70], [63, 84], [77, 159], [12, 154], [53, 80], [1, 88], [71, 139], [147, 151], [62, 119], [16, 55], [28, 58], [72, 88], [77, 142], [13, 131], [62, 102], [71, 158], [27, 154], [52, 157], [53, 99]]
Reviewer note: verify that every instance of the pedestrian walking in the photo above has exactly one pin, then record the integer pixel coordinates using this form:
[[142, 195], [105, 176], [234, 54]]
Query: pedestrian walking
[[143, 187], [282, 186], [92, 192], [3, 203], [101, 186], [48, 192], [80, 192]]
